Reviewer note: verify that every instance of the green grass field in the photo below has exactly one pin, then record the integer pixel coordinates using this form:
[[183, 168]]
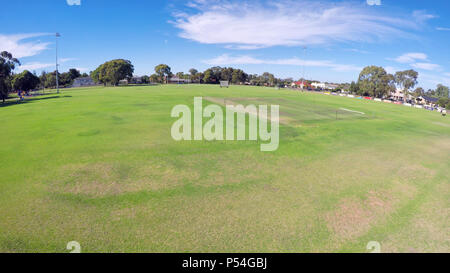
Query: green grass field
[[98, 166]]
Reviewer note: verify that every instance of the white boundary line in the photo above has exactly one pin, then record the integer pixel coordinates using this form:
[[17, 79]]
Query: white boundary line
[[352, 111]]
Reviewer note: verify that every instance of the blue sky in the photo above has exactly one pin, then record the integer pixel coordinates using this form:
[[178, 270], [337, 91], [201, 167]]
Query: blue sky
[[322, 40]]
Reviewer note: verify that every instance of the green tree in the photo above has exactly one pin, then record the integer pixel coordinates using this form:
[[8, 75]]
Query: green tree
[[442, 91], [375, 81], [74, 73], [113, 71], [419, 91], [209, 77], [154, 78], [193, 73], [406, 79], [7, 65], [443, 102], [50, 80], [198, 77], [354, 88], [238, 76], [164, 72], [180, 75], [25, 81], [145, 79]]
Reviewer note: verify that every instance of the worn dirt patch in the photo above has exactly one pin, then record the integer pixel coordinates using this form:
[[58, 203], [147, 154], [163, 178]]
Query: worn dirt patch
[[354, 217], [103, 179]]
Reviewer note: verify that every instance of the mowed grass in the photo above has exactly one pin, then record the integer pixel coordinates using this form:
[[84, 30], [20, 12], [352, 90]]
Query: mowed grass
[[98, 166]]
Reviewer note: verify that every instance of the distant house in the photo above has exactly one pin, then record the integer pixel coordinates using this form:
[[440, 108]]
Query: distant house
[[324, 86], [331, 86], [135, 80], [302, 85], [318, 85], [123, 82], [84, 81], [398, 95], [177, 80], [426, 100]]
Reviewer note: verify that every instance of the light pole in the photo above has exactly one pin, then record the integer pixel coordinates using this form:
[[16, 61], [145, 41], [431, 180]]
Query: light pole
[[57, 80], [304, 63]]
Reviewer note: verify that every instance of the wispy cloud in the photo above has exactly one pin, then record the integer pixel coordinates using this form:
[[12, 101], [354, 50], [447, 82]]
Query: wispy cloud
[[423, 15], [253, 25], [374, 2], [73, 2], [417, 60], [435, 79], [65, 60], [426, 66], [40, 65], [226, 59], [20, 48], [35, 66], [443, 28], [358, 51], [411, 57]]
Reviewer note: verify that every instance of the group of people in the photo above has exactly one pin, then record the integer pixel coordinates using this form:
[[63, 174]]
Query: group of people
[[22, 95]]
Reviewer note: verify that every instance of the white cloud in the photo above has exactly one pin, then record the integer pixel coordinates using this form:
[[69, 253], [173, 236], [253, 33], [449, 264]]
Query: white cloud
[[374, 2], [358, 51], [411, 57], [39, 65], [391, 69], [422, 16], [252, 25], [82, 69], [16, 45], [65, 60], [226, 59], [434, 79], [426, 66], [35, 66], [74, 2], [443, 28], [417, 60]]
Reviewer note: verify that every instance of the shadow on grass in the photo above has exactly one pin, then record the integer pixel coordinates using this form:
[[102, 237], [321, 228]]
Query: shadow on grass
[[30, 100]]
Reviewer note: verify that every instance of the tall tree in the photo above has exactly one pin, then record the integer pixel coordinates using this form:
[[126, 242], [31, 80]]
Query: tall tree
[[25, 81], [419, 91], [154, 78], [164, 72], [145, 79], [406, 79], [7, 65], [113, 71], [193, 71], [354, 89], [375, 81], [442, 91], [74, 73]]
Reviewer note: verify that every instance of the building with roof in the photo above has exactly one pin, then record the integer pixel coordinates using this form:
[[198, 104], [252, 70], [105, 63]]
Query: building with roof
[[177, 80], [427, 100], [83, 81]]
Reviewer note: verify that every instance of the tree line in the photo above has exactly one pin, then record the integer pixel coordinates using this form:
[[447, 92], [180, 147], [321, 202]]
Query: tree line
[[111, 72], [374, 81], [26, 81]]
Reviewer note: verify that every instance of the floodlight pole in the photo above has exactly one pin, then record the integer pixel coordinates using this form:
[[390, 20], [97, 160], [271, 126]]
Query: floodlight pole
[[57, 80], [304, 68]]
